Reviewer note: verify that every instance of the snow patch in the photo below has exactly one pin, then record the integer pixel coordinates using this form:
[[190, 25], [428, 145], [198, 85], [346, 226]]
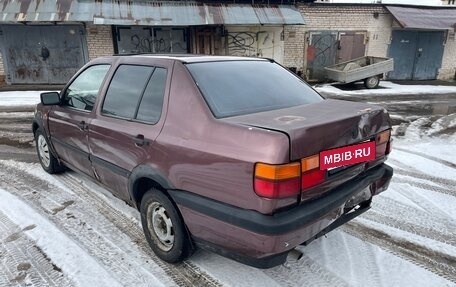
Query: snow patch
[[431, 167], [20, 98], [362, 264], [427, 128], [442, 124], [62, 250], [230, 272], [389, 88], [15, 115], [410, 237], [127, 210], [36, 170]]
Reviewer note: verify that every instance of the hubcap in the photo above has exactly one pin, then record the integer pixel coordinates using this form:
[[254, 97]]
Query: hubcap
[[160, 226], [372, 81], [43, 151]]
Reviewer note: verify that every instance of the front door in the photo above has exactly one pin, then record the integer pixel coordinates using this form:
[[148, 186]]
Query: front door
[[205, 42], [68, 122], [417, 55], [129, 121]]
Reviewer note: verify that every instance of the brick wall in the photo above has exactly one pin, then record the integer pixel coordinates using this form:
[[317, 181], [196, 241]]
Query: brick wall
[[338, 18], [294, 46], [2, 72], [99, 41], [448, 70]]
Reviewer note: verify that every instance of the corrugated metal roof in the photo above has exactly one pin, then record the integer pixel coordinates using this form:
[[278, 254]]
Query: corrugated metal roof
[[424, 18], [163, 13]]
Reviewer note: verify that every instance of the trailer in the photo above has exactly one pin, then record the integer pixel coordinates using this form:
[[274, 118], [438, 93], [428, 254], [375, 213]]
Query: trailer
[[368, 69]]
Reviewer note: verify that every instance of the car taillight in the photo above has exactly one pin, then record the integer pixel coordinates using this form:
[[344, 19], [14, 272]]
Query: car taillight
[[383, 143], [286, 180], [311, 173], [277, 181]]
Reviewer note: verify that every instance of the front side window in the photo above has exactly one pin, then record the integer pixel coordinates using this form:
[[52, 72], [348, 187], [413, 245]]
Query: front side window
[[83, 91], [136, 92], [234, 88]]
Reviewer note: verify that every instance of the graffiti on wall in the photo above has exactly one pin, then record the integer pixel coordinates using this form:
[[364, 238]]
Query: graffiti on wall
[[250, 43], [321, 53], [242, 44], [140, 40], [148, 44], [322, 48]]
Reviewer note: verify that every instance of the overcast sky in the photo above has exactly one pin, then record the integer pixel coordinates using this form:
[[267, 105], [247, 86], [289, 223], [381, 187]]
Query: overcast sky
[[414, 2]]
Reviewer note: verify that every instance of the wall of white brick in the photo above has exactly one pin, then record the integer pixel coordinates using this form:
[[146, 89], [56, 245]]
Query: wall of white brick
[[2, 70], [338, 18], [99, 41], [448, 70]]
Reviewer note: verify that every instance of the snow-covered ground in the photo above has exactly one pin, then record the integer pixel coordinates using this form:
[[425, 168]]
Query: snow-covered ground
[[388, 88], [31, 98], [20, 98], [64, 230]]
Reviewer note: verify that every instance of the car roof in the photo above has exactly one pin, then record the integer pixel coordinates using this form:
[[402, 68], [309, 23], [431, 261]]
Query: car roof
[[190, 58]]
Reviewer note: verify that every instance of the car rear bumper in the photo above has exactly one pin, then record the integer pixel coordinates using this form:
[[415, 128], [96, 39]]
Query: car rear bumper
[[264, 240]]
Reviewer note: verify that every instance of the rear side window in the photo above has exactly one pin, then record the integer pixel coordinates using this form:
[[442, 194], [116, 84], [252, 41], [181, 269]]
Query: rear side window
[[125, 90], [152, 101], [234, 88], [83, 91], [136, 92]]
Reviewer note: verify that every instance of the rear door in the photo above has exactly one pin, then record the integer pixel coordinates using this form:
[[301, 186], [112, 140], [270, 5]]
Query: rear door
[[128, 122], [68, 122]]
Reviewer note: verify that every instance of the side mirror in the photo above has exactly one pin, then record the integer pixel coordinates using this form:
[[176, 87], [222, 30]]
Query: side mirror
[[50, 98]]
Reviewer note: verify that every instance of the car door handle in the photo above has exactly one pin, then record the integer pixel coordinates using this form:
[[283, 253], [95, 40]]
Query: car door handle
[[140, 140], [82, 125]]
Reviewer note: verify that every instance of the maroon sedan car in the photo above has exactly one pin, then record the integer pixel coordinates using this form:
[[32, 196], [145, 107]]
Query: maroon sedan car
[[235, 155]]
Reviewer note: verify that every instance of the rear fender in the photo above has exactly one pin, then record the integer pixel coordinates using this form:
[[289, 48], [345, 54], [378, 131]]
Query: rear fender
[[148, 172]]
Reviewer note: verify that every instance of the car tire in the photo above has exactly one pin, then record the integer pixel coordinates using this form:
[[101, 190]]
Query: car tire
[[164, 228], [47, 160], [372, 82]]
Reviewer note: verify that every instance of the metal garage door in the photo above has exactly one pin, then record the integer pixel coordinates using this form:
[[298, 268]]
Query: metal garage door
[[42, 54], [352, 45], [327, 48], [417, 55], [321, 53]]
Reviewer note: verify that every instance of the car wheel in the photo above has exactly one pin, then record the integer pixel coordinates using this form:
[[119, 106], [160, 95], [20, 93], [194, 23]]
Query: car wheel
[[48, 161], [372, 82], [164, 228]]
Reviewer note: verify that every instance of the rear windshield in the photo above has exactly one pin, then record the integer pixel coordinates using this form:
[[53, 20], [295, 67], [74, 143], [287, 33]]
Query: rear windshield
[[234, 88]]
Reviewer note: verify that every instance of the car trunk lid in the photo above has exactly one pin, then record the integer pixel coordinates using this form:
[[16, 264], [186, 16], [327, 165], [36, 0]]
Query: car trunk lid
[[321, 126]]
